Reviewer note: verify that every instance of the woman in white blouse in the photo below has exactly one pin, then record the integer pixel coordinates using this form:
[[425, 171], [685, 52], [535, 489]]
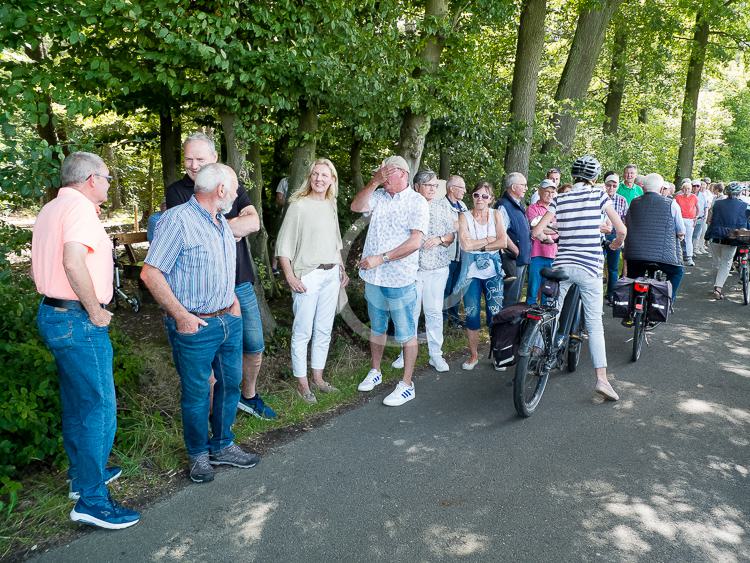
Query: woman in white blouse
[[309, 252]]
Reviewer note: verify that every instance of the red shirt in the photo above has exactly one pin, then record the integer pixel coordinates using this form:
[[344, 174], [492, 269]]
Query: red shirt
[[688, 205]]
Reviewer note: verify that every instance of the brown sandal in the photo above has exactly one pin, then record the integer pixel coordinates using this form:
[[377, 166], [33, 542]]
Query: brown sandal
[[718, 295]]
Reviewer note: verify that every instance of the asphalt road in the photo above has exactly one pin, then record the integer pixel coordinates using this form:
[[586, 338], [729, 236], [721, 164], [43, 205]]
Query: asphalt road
[[662, 475]]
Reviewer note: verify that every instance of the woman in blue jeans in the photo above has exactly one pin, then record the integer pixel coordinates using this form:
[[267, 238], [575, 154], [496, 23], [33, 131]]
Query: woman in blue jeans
[[481, 232]]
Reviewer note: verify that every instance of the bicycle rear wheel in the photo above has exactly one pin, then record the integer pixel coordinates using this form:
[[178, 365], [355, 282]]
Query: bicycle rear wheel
[[639, 334], [745, 277], [531, 378]]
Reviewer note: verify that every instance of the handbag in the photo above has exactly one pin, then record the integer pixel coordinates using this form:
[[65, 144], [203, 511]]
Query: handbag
[[510, 269]]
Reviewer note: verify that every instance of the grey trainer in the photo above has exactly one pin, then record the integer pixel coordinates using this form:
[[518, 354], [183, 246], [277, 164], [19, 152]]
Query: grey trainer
[[200, 469], [235, 456]]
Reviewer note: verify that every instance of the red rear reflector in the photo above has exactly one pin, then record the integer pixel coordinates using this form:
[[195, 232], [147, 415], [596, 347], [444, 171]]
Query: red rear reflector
[[639, 306], [744, 250], [641, 288], [533, 317]]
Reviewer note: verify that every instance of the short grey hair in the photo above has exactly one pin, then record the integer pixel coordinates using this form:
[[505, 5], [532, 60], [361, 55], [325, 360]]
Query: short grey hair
[[198, 136], [211, 176], [514, 178], [424, 176], [452, 179], [653, 182], [630, 167], [78, 166]]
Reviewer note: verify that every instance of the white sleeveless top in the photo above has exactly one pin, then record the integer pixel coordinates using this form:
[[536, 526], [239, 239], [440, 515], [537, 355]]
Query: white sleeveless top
[[477, 231]]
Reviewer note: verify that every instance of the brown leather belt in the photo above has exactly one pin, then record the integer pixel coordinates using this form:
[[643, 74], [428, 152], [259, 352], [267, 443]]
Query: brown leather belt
[[210, 315], [326, 266]]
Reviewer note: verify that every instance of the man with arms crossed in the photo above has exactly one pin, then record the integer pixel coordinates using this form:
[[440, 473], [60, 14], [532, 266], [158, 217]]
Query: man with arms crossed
[[399, 221], [190, 271], [71, 260]]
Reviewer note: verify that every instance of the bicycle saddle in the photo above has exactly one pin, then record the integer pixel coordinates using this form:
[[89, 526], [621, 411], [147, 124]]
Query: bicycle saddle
[[554, 274]]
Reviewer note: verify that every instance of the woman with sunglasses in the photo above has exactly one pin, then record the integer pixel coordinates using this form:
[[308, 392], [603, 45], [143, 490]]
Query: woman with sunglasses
[[481, 232]]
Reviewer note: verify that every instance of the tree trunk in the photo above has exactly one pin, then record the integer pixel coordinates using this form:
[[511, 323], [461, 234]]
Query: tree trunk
[[355, 164], [525, 80], [235, 156], [414, 127], [576, 76], [169, 145], [690, 101], [304, 151], [445, 161], [617, 73], [115, 190], [259, 241], [149, 207]]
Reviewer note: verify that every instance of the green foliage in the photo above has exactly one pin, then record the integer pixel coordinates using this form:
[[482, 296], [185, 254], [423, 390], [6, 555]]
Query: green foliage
[[730, 160]]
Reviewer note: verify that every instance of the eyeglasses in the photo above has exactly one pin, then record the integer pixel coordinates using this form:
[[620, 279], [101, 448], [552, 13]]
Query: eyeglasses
[[477, 195], [454, 186], [430, 185], [108, 178]]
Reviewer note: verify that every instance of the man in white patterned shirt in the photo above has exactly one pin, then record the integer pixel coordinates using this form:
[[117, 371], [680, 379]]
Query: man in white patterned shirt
[[399, 219]]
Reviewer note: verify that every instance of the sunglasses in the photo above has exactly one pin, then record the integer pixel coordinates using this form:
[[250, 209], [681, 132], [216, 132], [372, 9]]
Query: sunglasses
[[478, 195]]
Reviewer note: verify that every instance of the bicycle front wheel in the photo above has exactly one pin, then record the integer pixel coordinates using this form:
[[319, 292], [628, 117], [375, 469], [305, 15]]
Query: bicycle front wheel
[[639, 334], [531, 377], [575, 341]]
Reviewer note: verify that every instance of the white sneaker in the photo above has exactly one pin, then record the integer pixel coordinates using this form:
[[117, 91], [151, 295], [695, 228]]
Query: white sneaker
[[467, 365], [373, 378], [400, 395], [439, 363], [398, 363]]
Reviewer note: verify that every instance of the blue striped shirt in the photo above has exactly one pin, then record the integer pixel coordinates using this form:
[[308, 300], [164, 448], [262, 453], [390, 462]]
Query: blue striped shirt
[[196, 256], [579, 215]]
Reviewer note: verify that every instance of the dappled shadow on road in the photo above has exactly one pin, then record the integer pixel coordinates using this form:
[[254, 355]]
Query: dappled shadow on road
[[624, 527]]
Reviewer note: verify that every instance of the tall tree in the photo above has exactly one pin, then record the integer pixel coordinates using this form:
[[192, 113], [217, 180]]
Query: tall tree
[[692, 90], [579, 68], [524, 89], [415, 123], [617, 73]]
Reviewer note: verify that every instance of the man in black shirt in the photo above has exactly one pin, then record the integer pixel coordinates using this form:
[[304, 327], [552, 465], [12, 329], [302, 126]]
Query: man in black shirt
[[243, 219]]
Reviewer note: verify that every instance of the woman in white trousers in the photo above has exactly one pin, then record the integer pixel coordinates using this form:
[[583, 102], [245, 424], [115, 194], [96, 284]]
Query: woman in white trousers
[[309, 251]]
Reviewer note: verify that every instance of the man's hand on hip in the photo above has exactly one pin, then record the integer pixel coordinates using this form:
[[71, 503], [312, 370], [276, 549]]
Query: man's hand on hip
[[101, 317], [189, 324]]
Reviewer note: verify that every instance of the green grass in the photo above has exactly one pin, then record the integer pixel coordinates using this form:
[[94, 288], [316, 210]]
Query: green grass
[[149, 444]]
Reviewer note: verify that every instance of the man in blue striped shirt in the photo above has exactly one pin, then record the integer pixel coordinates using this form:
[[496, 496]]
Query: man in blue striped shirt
[[190, 271]]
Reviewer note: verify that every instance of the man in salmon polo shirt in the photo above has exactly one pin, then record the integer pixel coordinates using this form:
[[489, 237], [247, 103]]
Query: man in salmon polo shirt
[[71, 260]]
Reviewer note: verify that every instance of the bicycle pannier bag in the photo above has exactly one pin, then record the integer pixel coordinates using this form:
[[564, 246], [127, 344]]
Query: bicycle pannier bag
[[505, 334], [550, 287], [622, 298], [659, 300]]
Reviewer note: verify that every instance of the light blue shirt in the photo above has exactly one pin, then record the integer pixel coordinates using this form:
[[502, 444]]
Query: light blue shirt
[[197, 257]]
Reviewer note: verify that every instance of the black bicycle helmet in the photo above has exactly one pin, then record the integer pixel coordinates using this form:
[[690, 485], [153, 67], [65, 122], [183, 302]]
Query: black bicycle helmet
[[586, 168]]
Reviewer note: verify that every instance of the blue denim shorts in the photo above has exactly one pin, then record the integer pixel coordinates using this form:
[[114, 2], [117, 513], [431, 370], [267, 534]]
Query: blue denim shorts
[[396, 303], [252, 328]]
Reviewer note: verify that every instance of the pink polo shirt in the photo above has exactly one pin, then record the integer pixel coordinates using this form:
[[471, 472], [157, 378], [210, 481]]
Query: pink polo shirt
[[70, 217], [539, 248]]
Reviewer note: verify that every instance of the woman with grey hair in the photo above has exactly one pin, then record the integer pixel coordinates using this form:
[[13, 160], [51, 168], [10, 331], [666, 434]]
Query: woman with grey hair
[[434, 257]]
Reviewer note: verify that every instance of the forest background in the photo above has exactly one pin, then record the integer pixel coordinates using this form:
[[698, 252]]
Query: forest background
[[475, 87]]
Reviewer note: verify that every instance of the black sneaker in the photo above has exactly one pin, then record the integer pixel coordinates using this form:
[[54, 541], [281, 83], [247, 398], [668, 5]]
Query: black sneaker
[[200, 469], [235, 456]]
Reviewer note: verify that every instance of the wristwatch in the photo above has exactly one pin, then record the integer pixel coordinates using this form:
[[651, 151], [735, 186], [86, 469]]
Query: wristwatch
[[385, 258]]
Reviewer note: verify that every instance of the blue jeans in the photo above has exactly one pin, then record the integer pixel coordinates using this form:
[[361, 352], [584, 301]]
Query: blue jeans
[[451, 313], [535, 276], [396, 303], [492, 289], [252, 327], [613, 268], [218, 347], [83, 354]]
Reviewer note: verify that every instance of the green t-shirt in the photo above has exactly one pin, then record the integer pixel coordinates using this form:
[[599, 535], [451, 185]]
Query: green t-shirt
[[629, 193]]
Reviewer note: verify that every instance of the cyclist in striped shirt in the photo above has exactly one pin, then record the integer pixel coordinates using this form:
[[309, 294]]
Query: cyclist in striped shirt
[[578, 214]]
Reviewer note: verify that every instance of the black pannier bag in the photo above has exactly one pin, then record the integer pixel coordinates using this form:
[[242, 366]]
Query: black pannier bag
[[659, 300], [505, 334], [622, 298], [550, 288]]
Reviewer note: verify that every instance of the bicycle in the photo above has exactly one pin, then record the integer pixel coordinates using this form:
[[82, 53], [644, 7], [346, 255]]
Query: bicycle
[[641, 323], [744, 272], [548, 341], [118, 293]]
